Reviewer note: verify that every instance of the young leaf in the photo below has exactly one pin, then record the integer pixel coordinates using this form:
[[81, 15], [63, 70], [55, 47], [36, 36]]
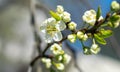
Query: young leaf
[[115, 18], [55, 15], [106, 33], [99, 39], [98, 13]]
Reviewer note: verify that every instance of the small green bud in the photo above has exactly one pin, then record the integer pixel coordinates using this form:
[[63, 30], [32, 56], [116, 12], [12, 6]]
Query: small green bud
[[105, 33], [100, 39], [55, 15]]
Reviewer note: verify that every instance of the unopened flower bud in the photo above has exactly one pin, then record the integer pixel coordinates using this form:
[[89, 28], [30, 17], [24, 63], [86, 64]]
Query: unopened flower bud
[[60, 9], [72, 25], [95, 49], [66, 17], [67, 58], [115, 6], [72, 38], [82, 36]]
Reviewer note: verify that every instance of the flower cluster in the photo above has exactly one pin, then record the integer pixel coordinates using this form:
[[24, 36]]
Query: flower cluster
[[80, 35], [53, 26], [94, 49], [95, 30], [60, 58], [95, 20]]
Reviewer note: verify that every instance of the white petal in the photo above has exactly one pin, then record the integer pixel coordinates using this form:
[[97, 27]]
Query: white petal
[[60, 26], [43, 29], [48, 38], [51, 20], [58, 36], [60, 66]]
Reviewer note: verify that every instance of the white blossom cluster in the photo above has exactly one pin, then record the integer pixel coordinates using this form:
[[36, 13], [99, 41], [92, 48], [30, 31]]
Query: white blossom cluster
[[61, 20], [60, 58], [52, 28], [80, 35]]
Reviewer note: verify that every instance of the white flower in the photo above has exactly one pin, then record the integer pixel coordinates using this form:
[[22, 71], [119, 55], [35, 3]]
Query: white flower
[[51, 20], [67, 58], [47, 62], [60, 9], [72, 38], [95, 49], [60, 66], [66, 17], [56, 49], [82, 36], [72, 25], [89, 17], [115, 5], [52, 29]]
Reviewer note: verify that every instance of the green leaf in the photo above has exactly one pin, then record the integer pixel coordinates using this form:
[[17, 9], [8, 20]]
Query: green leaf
[[98, 13], [115, 18], [106, 33], [55, 15], [99, 39]]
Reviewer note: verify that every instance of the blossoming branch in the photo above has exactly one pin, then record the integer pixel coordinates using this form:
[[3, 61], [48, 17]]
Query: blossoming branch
[[97, 29]]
